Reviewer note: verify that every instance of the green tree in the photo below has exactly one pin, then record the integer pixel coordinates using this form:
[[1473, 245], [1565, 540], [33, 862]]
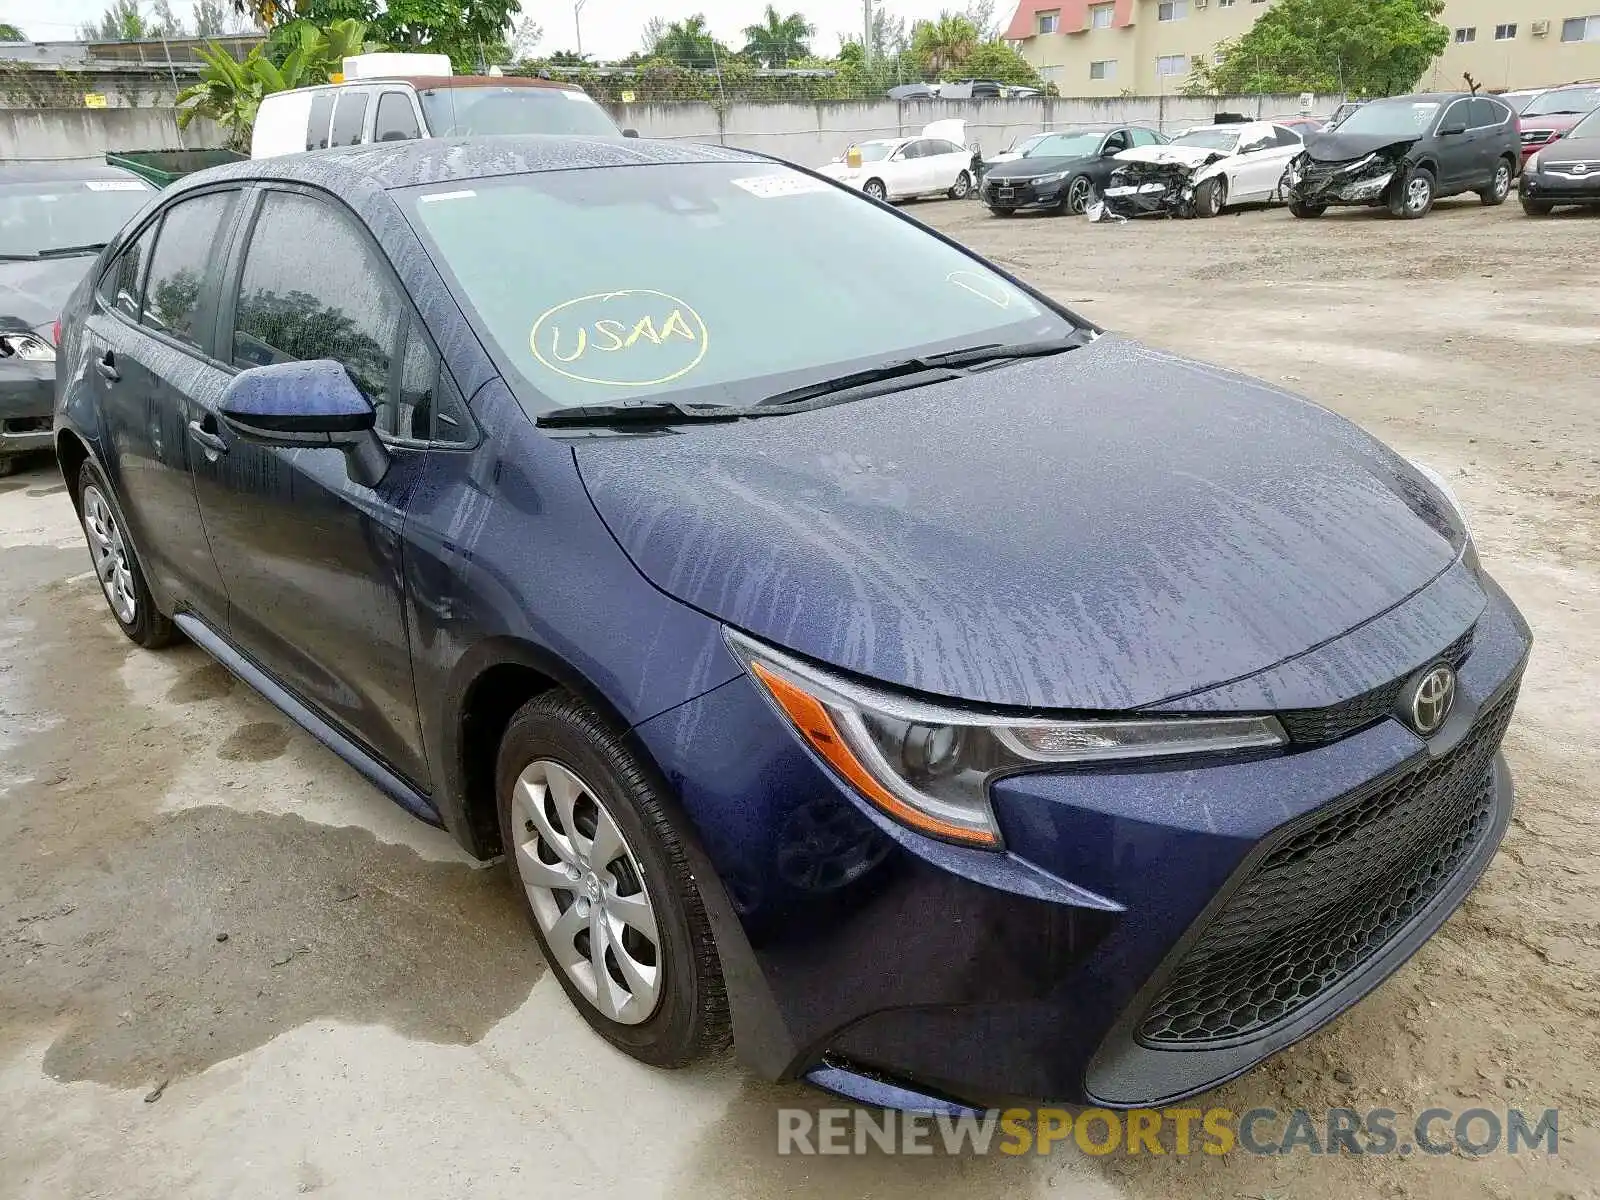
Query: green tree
[[689, 43], [474, 33], [942, 45], [10, 33], [998, 61], [1359, 47], [122, 22], [778, 41]]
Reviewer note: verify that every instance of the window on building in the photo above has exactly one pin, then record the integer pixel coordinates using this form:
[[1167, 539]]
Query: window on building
[[1581, 29], [1050, 22], [1172, 64], [1051, 74], [1469, 34], [1101, 15], [1172, 10], [1504, 33], [1106, 68], [1224, 3]]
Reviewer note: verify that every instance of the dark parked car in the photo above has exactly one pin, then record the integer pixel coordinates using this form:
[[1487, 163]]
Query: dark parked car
[[1061, 171], [1551, 114], [1566, 172], [863, 656], [1406, 152], [54, 218]]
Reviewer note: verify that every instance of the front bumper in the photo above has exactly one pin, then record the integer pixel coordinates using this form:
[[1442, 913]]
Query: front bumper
[[1335, 184], [27, 406], [1560, 188], [1012, 194], [1086, 961]]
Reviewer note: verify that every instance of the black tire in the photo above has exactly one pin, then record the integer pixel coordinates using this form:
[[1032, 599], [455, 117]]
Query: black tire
[[8, 465], [1403, 195], [1495, 194], [1537, 208], [690, 1019], [875, 189], [148, 626], [962, 188], [1077, 195], [1307, 212], [1211, 196]]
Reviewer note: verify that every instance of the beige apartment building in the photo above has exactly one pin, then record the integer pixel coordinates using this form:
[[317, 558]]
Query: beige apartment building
[[1149, 47]]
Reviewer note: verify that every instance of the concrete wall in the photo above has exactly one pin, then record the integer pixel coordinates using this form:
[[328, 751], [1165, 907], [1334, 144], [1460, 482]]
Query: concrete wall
[[90, 132], [812, 134]]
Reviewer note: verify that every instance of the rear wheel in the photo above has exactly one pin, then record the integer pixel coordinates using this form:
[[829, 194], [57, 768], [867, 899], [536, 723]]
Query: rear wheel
[[1211, 196], [116, 565], [1537, 208], [607, 884], [963, 186], [1411, 196], [1078, 195], [875, 189], [1497, 191], [1307, 211]]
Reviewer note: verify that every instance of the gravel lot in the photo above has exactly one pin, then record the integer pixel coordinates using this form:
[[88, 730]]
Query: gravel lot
[[376, 1020]]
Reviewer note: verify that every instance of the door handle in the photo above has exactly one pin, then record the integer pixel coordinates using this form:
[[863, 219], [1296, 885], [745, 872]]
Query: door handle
[[106, 364], [208, 438]]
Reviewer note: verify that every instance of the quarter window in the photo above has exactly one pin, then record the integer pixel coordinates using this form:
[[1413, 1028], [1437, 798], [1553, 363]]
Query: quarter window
[[185, 245], [349, 118], [395, 122], [313, 287], [120, 286], [317, 123]]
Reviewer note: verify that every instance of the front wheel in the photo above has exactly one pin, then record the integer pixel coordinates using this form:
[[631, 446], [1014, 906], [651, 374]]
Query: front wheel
[[1495, 194], [1307, 211], [875, 189], [963, 185], [116, 565], [1211, 196], [607, 884], [1411, 198], [1078, 196], [1537, 208]]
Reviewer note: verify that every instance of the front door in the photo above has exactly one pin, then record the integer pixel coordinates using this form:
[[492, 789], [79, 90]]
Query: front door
[[311, 559], [1457, 151]]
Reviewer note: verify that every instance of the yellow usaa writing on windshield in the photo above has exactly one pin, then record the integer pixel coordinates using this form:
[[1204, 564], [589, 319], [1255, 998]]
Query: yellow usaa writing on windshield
[[636, 337]]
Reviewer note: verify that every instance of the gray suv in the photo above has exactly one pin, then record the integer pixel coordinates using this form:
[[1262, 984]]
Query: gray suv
[[1404, 152]]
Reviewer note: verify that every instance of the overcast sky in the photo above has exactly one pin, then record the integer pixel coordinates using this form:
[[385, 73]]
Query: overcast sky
[[611, 28]]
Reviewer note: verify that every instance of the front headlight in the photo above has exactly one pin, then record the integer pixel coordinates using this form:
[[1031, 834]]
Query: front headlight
[[1057, 177], [1531, 167], [28, 347], [929, 766]]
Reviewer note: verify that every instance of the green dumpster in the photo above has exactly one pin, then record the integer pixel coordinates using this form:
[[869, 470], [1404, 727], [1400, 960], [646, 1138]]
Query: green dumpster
[[162, 167]]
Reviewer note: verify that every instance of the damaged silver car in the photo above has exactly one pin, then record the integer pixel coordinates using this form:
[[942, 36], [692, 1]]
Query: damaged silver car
[[1203, 171], [1406, 152]]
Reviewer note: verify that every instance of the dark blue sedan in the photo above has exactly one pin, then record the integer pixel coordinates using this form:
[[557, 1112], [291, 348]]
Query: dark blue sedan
[[853, 652]]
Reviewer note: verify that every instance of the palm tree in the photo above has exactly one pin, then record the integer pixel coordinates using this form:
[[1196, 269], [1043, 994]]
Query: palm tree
[[780, 41], [688, 43], [944, 44]]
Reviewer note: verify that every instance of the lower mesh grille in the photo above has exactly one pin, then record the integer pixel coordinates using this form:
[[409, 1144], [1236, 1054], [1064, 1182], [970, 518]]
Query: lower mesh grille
[[1331, 897]]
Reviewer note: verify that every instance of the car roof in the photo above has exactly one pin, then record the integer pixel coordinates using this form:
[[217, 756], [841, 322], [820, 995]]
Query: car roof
[[50, 170], [423, 83], [380, 166]]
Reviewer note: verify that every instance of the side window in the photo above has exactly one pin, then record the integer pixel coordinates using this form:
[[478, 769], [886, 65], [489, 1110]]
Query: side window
[[1116, 143], [1459, 113], [914, 150], [312, 287], [349, 118], [1145, 137], [317, 123], [185, 244], [1255, 140], [1284, 136], [121, 284], [1485, 112], [395, 122]]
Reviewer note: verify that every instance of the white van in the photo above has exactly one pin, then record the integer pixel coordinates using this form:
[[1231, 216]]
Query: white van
[[411, 106]]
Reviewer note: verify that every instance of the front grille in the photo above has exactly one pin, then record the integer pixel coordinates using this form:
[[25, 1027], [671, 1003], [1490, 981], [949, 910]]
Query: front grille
[[1537, 137], [1315, 174], [1317, 907], [1313, 726]]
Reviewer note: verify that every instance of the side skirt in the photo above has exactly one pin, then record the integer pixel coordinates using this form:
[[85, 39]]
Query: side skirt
[[380, 776]]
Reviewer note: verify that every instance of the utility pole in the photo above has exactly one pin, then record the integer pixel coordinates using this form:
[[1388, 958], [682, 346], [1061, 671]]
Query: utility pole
[[866, 30], [577, 23]]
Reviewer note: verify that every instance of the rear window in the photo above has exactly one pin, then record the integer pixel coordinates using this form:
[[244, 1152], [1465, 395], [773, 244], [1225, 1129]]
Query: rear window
[[317, 122], [37, 219], [639, 281], [349, 118], [460, 111]]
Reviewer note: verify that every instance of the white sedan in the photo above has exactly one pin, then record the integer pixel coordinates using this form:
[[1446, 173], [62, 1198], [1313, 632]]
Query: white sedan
[[1225, 164], [934, 163]]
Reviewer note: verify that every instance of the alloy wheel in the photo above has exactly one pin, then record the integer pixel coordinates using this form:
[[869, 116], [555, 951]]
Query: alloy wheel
[[962, 187], [587, 892], [1502, 182], [875, 190], [1418, 193], [110, 554], [1078, 195]]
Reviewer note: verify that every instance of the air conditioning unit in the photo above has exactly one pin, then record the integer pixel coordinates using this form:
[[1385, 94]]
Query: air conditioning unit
[[1201, 3], [1540, 28]]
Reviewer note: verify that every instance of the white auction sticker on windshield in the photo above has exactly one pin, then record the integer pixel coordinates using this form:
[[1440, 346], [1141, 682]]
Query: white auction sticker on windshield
[[576, 95], [114, 185], [784, 183], [465, 194]]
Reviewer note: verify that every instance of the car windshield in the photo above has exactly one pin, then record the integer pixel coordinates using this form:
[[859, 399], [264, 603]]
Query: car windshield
[[1209, 139], [1566, 100], [460, 111], [1589, 127], [606, 285], [1391, 118], [1065, 145], [1518, 101], [875, 151], [36, 218], [1024, 145]]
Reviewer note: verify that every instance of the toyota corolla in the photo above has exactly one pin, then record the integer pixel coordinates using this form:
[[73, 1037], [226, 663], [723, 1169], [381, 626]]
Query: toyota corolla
[[851, 651]]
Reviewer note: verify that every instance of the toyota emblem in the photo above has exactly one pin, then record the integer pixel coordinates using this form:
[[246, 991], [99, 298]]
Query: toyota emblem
[[1432, 699]]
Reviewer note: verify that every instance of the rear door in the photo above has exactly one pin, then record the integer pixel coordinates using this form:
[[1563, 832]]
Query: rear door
[[1487, 129], [350, 117], [312, 560], [950, 160], [152, 340]]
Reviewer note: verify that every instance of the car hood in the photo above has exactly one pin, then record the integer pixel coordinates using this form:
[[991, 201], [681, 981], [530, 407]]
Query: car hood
[[1027, 168], [1560, 122], [32, 293], [1102, 529], [1571, 150], [1186, 156], [1347, 147]]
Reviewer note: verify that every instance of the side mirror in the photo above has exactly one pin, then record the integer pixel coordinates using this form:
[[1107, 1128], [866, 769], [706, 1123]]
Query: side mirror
[[1452, 129], [307, 404], [630, 133]]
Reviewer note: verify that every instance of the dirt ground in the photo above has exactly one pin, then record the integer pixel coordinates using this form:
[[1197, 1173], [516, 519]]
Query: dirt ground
[[229, 967]]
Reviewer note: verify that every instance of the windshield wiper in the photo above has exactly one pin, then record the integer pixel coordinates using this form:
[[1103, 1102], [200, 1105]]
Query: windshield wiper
[[69, 251], [639, 412]]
